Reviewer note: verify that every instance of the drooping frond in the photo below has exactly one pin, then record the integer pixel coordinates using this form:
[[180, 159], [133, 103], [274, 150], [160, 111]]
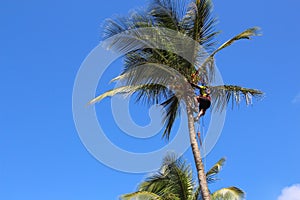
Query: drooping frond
[[221, 95], [141, 195], [230, 193], [210, 175], [171, 107]]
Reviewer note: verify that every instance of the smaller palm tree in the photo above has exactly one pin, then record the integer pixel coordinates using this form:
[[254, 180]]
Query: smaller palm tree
[[174, 181]]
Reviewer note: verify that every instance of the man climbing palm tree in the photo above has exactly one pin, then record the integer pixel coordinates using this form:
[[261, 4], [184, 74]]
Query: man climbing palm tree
[[204, 101]]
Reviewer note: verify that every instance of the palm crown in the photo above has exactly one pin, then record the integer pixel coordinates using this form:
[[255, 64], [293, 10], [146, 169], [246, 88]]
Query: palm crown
[[175, 181], [143, 66]]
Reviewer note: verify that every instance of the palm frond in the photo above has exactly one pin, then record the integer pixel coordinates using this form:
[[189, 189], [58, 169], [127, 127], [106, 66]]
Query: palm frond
[[152, 92], [151, 45], [199, 23], [167, 13], [210, 175], [221, 95], [141, 195], [150, 73], [126, 90], [133, 39], [166, 48], [137, 32], [230, 193], [247, 34], [209, 62]]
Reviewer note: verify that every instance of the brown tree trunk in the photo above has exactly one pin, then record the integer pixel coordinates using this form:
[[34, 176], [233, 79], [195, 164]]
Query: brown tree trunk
[[197, 156]]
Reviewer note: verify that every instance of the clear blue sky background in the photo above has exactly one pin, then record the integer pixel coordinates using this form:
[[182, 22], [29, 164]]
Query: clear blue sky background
[[42, 44]]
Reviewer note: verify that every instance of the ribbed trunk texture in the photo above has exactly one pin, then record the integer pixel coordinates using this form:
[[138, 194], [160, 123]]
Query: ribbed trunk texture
[[197, 156]]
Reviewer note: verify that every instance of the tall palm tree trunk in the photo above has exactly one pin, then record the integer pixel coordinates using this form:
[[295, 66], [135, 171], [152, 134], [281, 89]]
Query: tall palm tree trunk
[[197, 156]]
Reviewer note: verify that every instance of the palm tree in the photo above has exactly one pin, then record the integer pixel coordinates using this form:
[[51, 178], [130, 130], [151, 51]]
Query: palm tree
[[143, 66], [174, 181]]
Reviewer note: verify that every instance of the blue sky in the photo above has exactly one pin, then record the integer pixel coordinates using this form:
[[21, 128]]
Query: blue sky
[[43, 44]]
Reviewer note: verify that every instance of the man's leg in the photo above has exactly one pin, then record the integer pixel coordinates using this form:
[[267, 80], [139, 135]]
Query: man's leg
[[201, 113]]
